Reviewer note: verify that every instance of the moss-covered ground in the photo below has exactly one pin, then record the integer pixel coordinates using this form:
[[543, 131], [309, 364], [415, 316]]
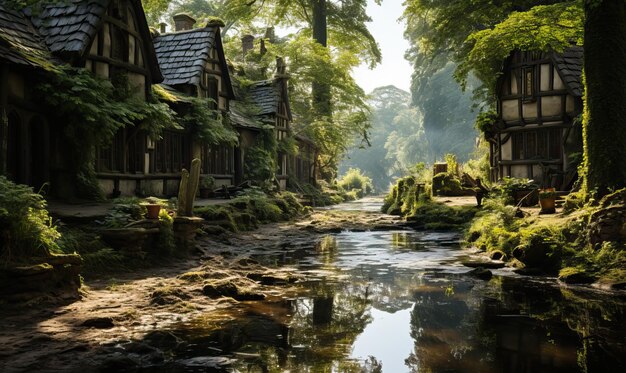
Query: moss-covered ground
[[579, 244]]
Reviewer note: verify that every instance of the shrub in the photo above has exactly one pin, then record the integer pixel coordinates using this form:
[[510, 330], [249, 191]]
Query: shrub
[[25, 227], [355, 180]]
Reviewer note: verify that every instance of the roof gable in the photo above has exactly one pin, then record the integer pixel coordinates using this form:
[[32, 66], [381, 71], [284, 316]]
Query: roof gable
[[69, 27], [19, 41], [569, 64], [183, 55], [268, 95]]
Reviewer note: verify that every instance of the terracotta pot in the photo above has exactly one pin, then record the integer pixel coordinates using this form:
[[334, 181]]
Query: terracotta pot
[[153, 211], [548, 204]]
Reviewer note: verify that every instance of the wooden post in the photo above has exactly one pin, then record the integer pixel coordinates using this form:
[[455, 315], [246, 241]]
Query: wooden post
[[4, 120]]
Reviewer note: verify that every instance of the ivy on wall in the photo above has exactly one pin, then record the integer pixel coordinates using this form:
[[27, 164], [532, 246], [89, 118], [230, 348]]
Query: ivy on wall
[[91, 110]]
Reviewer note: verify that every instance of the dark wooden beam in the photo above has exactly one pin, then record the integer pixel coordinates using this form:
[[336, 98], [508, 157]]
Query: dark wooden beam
[[4, 125]]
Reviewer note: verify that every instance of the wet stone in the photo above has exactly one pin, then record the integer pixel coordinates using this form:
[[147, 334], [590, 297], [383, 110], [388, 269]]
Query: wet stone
[[481, 273], [99, 323]]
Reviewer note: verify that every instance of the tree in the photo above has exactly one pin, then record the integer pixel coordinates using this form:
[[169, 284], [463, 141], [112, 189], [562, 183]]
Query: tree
[[604, 123]]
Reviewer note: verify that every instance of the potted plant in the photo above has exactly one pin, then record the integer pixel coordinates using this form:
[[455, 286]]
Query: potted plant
[[206, 186], [153, 207], [547, 200]]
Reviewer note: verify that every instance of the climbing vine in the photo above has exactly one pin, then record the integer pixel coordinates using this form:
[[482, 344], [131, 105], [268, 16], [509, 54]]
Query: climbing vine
[[91, 111]]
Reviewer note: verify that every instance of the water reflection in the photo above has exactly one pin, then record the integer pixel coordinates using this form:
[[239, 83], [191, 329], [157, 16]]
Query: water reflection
[[402, 305]]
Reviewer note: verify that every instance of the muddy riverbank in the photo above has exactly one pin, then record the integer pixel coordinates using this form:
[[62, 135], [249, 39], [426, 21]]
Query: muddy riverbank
[[130, 306], [345, 289]]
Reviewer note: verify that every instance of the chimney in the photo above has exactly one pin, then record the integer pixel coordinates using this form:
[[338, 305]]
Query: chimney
[[270, 34], [183, 22], [162, 27], [247, 43], [262, 48], [281, 68]]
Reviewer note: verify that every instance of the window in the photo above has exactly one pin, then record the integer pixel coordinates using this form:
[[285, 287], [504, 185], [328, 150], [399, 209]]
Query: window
[[539, 144], [528, 83], [213, 93], [111, 158], [217, 159], [169, 153]]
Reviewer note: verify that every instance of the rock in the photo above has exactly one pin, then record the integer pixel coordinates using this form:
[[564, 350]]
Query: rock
[[481, 273], [497, 255], [575, 275], [208, 362], [98, 323], [229, 289], [483, 263]]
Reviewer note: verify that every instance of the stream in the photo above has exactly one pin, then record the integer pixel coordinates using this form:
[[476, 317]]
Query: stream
[[400, 301]]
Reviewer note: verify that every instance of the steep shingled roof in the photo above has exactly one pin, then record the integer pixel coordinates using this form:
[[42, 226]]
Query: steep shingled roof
[[570, 67], [68, 27], [19, 42], [266, 96], [182, 55]]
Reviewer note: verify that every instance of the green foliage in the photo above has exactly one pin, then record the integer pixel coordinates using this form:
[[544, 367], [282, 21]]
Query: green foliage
[[260, 160], [355, 181], [166, 242], [26, 229], [97, 256], [93, 110], [447, 184], [408, 193], [485, 122], [378, 161], [207, 182], [508, 186], [480, 34], [247, 211], [124, 212]]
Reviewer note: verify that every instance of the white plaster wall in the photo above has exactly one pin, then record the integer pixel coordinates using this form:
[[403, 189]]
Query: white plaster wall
[[558, 83], [510, 110], [529, 110], [507, 150], [544, 84], [551, 105], [513, 84], [569, 104], [519, 171]]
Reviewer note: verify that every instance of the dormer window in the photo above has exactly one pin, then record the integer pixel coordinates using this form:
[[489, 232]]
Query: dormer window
[[528, 83]]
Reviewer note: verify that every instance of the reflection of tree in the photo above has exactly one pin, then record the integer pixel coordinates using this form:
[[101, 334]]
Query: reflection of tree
[[443, 326], [516, 326]]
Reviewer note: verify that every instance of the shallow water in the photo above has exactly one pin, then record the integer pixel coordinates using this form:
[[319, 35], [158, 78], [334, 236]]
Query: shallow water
[[400, 301]]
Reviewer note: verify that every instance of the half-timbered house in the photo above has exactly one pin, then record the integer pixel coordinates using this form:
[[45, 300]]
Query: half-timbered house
[[107, 37], [24, 131], [272, 98], [538, 99], [193, 63]]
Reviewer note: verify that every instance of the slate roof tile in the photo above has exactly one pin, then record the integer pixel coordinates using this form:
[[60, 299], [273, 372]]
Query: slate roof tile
[[69, 20], [19, 41], [266, 96], [182, 55], [570, 66]]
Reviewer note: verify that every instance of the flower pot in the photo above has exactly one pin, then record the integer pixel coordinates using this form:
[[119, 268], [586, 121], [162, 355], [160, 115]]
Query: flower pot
[[153, 211], [547, 201]]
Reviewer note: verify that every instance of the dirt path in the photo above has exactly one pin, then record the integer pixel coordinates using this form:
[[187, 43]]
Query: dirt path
[[116, 316]]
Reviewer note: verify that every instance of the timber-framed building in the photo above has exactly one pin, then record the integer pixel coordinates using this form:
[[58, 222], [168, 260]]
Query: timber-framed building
[[539, 97]]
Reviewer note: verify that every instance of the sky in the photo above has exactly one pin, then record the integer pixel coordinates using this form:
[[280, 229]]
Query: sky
[[388, 32]]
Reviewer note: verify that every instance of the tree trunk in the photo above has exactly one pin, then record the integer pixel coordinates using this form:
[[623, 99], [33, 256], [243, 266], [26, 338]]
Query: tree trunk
[[604, 125], [321, 91]]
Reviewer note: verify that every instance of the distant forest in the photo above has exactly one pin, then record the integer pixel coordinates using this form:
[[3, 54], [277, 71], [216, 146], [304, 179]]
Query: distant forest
[[436, 118]]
